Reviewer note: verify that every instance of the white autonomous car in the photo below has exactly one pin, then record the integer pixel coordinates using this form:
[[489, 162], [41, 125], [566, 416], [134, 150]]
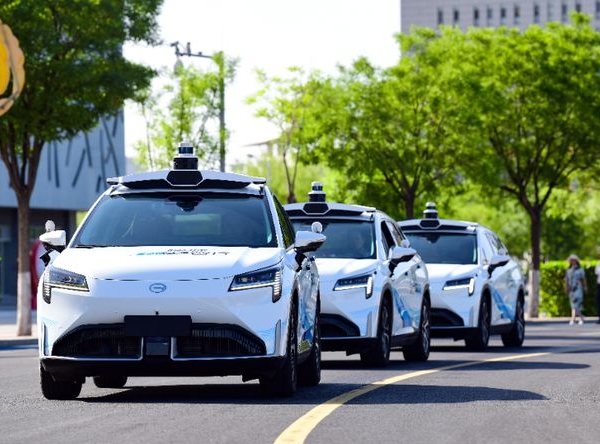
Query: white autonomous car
[[477, 289], [181, 272], [374, 287]]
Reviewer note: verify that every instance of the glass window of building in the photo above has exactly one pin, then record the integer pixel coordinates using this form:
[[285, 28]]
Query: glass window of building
[[564, 12], [440, 16], [517, 14], [550, 11], [597, 10], [476, 17], [536, 13], [456, 17], [578, 6], [502, 16], [490, 16]]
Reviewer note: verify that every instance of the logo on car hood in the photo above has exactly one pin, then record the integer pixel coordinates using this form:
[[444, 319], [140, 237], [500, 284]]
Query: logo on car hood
[[157, 287]]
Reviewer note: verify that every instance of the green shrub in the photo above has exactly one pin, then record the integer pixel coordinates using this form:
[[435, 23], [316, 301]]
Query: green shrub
[[553, 299]]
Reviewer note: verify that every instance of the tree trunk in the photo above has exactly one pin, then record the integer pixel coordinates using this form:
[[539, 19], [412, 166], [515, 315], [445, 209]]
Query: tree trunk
[[534, 276], [23, 271], [409, 206]]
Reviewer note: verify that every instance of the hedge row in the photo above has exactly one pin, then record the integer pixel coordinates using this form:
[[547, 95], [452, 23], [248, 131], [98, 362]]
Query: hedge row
[[553, 299]]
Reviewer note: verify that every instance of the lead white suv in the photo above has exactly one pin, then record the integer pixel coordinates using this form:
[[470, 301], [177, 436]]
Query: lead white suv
[[374, 288], [181, 272], [477, 289]]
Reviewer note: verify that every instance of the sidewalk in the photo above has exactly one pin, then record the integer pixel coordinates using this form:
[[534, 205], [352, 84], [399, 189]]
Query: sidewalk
[[8, 325]]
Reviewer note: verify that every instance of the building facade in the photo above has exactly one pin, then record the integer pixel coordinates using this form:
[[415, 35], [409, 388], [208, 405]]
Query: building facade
[[493, 13], [70, 177]]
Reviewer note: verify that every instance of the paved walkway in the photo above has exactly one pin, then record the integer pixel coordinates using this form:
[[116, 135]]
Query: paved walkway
[[8, 324]]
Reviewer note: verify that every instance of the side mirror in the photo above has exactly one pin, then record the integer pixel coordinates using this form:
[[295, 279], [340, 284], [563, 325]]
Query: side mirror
[[399, 255], [498, 260], [307, 241], [53, 240], [56, 238]]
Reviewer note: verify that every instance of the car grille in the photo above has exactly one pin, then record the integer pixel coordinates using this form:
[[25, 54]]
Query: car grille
[[205, 340], [219, 341], [98, 342]]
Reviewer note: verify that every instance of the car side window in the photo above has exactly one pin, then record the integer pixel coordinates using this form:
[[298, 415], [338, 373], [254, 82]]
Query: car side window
[[396, 233], [500, 246], [487, 249], [289, 234], [387, 238]]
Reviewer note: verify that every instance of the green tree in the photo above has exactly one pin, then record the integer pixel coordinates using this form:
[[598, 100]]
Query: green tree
[[269, 165], [288, 103], [76, 74], [531, 99], [391, 131], [186, 108]]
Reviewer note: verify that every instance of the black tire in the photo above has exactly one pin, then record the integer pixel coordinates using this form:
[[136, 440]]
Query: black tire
[[114, 382], [285, 380], [63, 390], [419, 350], [481, 337], [516, 336], [379, 354], [309, 372]]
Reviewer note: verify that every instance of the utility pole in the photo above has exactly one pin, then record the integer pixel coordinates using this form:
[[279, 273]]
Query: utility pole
[[219, 59]]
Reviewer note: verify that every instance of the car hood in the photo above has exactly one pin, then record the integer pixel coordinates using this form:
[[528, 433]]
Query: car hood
[[444, 272], [166, 263], [332, 269]]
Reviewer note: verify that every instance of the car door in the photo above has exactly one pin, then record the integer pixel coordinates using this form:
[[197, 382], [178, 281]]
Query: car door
[[308, 285], [403, 282], [504, 292]]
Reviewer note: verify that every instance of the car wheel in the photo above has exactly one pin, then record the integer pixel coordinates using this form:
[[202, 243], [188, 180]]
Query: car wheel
[[309, 372], [516, 336], [479, 340], [419, 350], [114, 382], [285, 380], [52, 389], [379, 354]]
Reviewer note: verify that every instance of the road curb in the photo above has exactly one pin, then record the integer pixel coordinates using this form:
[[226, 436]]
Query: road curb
[[15, 342]]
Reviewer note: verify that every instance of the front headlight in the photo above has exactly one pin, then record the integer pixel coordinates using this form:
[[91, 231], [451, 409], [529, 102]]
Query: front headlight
[[352, 283], [468, 283], [269, 277], [58, 278]]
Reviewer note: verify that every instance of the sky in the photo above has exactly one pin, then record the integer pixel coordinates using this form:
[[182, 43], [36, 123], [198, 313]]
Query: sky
[[271, 35]]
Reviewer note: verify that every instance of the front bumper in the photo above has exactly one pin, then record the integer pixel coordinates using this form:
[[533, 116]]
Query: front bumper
[[250, 368], [136, 349]]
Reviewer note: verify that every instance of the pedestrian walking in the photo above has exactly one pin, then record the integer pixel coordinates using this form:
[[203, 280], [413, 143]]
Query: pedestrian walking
[[597, 271], [575, 287]]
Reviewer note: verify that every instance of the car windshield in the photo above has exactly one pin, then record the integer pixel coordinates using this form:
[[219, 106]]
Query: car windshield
[[445, 248], [345, 239], [178, 220]]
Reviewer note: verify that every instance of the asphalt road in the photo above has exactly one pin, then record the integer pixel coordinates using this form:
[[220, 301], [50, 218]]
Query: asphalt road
[[548, 391]]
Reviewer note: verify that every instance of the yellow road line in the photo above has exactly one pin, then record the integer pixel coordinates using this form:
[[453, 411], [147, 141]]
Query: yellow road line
[[299, 430]]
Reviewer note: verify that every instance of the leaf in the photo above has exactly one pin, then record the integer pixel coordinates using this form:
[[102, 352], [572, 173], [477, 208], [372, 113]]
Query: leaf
[[11, 67]]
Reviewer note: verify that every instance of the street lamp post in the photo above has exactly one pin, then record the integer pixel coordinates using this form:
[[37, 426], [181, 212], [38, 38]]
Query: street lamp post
[[219, 59]]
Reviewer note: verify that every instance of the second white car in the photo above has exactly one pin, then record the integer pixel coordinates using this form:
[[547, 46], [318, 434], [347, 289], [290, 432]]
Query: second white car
[[374, 287]]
